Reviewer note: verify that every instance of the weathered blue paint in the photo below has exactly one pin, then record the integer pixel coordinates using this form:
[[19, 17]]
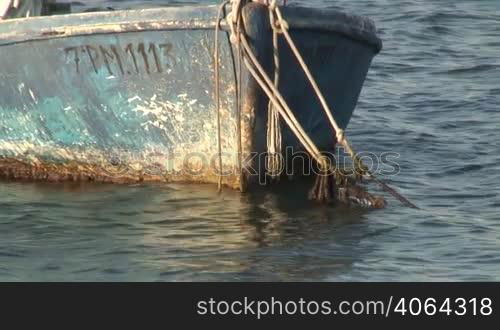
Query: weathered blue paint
[[130, 95]]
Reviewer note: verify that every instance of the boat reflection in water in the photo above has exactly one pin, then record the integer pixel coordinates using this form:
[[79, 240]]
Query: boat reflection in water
[[177, 232]]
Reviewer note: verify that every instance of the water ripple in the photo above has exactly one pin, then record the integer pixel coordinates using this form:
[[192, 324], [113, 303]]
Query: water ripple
[[431, 95]]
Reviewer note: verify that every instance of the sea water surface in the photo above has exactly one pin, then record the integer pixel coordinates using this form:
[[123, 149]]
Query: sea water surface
[[432, 95]]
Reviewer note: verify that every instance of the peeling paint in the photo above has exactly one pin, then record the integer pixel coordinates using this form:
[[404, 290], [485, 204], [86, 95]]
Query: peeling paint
[[116, 128], [128, 122], [32, 95], [133, 98]]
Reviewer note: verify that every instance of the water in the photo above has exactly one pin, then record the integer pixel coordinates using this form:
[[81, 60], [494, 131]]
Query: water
[[432, 95]]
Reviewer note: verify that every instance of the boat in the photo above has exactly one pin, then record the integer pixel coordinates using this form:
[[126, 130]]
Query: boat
[[128, 96]]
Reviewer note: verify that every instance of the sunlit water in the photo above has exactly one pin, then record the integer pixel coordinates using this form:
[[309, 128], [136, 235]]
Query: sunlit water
[[432, 95]]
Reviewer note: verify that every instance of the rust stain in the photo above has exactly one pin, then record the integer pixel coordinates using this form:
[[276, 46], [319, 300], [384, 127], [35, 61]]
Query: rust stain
[[13, 169], [53, 33]]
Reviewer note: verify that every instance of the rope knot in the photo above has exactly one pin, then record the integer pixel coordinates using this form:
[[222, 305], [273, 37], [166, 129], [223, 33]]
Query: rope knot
[[279, 26]]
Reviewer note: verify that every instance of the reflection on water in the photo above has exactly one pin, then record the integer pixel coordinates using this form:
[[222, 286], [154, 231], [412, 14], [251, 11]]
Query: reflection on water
[[174, 232], [432, 96]]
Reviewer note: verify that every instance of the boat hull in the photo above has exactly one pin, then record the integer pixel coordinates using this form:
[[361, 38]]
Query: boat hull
[[129, 96]]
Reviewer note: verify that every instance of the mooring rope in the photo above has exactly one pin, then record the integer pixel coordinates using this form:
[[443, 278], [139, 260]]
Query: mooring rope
[[273, 94], [340, 135], [274, 139], [260, 75], [322, 188], [239, 94], [217, 89]]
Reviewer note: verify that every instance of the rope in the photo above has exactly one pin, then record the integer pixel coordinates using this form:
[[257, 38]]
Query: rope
[[238, 124], [322, 189], [217, 90], [273, 94], [339, 133], [265, 83], [274, 139], [276, 98]]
